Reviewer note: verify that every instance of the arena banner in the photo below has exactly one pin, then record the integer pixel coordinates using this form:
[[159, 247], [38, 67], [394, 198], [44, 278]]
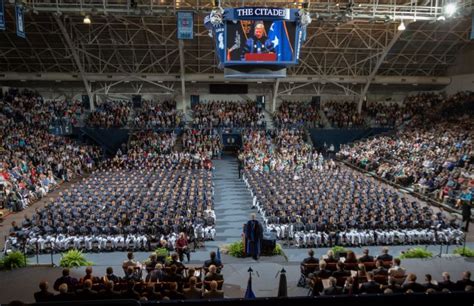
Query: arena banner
[[20, 21], [472, 28], [260, 13], [185, 25], [2, 15]]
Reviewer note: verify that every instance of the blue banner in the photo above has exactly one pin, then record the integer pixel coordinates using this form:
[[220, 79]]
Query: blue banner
[[472, 28], [278, 35], [260, 13], [185, 25], [2, 15], [20, 21], [220, 42]]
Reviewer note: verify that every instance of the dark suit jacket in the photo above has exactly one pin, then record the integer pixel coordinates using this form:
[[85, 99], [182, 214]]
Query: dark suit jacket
[[447, 284], [430, 286], [367, 258], [332, 290], [43, 296], [323, 273], [342, 273], [380, 271], [385, 257], [416, 287], [218, 294], [370, 287], [461, 284], [192, 293], [70, 281]]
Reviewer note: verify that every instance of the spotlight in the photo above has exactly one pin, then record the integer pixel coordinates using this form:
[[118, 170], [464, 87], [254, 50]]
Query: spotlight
[[441, 18], [401, 27], [87, 20], [450, 9]]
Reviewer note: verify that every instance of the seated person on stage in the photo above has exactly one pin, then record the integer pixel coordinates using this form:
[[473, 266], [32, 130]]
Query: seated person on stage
[[396, 270], [330, 257], [322, 273], [192, 293], [212, 275], [370, 286], [332, 289], [366, 257], [130, 262], [412, 284], [175, 262], [379, 268], [340, 272], [308, 260], [385, 256], [182, 247], [214, 261], [44, 295], [213, 293]]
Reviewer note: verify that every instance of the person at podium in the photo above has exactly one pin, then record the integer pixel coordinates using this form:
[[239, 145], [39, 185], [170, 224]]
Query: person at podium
[[253, 237], [258, 43]]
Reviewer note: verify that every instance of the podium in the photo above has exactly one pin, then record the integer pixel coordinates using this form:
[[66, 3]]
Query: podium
[[268, 243]]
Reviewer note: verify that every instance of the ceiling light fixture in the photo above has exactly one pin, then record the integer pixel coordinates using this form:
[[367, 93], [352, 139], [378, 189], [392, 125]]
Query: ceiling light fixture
[[401, 27], [87, 20], [450, 9]]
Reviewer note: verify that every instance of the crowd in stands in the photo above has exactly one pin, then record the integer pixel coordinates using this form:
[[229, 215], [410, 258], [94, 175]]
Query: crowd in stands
[[367, 274], [205, 143], [30, 107], [151, 142], [32, 161], [277, 150], [343, 114], [158, 115], [227, 114], [335, 205], [296, 114], [110, 114], [434, 153], [164, 280]]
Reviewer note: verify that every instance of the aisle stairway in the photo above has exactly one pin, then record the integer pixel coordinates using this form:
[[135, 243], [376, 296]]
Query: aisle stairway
[[232, 202]]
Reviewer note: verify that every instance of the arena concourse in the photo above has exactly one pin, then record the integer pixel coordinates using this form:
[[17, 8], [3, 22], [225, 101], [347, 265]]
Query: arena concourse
[[330, 139]]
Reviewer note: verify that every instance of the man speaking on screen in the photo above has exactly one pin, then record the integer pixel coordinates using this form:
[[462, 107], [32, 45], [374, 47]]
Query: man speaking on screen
[[258, 43]]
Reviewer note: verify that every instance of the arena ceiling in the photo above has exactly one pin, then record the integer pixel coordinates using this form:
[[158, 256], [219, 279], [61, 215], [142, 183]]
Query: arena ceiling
[[136, 40]]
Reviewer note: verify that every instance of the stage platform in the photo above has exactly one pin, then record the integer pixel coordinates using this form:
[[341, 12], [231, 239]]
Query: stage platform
[[22, 283]]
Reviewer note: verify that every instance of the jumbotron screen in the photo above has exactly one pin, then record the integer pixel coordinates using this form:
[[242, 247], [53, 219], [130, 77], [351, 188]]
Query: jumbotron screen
[[257, 42]]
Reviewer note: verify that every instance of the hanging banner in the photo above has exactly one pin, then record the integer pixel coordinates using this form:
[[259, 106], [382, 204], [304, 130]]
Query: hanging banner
[[20, 21], [185, 25], [472, 28], [2, 15]]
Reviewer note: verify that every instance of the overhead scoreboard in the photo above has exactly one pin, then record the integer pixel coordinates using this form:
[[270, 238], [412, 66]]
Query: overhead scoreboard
[[257, 42]]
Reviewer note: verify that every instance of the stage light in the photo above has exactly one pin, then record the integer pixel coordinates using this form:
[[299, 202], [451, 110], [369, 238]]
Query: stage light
[[401, 27], [450, 9], [441, 18], [87, 20]]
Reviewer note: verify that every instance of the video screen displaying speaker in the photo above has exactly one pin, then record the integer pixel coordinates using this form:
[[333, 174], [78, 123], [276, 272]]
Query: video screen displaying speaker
[[137, 101]]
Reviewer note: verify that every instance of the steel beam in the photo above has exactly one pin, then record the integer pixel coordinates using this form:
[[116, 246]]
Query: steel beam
[[77, 61], [374, 71], [182, 74]]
